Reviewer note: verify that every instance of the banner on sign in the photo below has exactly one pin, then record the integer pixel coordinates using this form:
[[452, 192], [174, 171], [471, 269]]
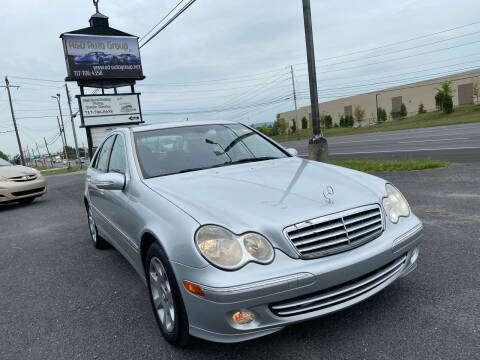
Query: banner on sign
[[98, 110]]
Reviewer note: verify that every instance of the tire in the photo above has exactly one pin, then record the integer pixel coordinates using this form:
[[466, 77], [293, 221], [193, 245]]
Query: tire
[[97, 240], [166, 298], [27, 200]]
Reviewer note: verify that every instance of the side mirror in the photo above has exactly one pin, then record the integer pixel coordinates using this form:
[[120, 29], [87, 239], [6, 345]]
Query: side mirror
[[292, 151], [110, 181]]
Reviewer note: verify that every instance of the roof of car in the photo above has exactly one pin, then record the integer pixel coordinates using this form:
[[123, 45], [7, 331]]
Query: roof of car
[[169, 125]]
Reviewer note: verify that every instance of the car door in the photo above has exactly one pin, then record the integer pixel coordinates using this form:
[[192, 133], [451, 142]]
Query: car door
[[96, 195], [117, 204]]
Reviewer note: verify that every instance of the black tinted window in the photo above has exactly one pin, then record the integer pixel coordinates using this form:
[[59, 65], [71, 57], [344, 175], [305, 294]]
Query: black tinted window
[[117, 159], [102, 163], [169, 151]]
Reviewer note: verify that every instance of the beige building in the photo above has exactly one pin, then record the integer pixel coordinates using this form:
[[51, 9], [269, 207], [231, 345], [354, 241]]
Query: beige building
[[412, 95]]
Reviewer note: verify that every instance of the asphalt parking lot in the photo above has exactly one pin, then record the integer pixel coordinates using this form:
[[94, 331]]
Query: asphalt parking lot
[[62, 299]]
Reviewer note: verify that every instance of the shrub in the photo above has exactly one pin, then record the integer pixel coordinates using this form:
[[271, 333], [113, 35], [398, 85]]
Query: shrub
[[444, 97], [328, 121], [403, 111], [359, 114], [304, 123], [421, 109], [381, 114]]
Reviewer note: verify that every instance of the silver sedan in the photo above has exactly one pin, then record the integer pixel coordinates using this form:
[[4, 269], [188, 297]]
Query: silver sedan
[[236, 237]]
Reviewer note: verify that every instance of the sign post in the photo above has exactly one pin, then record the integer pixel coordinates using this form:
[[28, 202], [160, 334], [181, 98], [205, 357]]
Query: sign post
[[104, 58]]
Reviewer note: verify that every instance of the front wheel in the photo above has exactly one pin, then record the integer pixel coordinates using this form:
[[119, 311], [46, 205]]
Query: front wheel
[[98, 241], [165, 298]]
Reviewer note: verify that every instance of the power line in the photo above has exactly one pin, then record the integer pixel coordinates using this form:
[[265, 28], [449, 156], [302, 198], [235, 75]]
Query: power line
[[401, 58], [36, 79], [402, 50], [153, 28], [400, 42], [181, 11]]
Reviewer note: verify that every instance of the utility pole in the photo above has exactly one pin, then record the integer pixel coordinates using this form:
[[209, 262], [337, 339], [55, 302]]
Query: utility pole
[[63, 141], [317, 147], [48, 151], [294, 98], [73, 126], [62, 129], [8, 86]]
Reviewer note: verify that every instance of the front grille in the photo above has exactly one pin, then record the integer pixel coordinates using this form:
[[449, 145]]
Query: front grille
[[335, 233], [23, 178], [28, 192], [334, 296]]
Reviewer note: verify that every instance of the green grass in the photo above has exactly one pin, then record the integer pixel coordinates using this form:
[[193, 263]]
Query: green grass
[[370, 165], [461, 115], [62, 171]]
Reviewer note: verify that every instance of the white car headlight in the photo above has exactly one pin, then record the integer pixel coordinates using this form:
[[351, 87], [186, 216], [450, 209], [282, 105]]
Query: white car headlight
[[395, 204], [229, 251]]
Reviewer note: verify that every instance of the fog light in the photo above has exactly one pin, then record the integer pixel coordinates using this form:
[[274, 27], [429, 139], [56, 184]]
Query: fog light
[[414, 256], [243, 317]]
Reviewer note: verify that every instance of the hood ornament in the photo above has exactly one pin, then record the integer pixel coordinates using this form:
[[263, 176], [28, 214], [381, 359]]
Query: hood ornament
[[328, 194]]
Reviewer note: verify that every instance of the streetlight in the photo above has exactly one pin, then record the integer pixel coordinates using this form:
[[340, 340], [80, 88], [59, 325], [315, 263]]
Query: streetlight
[[62, 129]]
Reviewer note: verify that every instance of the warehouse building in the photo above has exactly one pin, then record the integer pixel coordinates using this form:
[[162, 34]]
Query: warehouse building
[[391, 99]]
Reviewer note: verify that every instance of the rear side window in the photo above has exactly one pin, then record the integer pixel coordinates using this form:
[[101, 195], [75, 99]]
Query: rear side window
[[117, 159], [103, 157]]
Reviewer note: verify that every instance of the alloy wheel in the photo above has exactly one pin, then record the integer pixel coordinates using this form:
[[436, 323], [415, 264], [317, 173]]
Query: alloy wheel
[[93, 227], [161, 293]]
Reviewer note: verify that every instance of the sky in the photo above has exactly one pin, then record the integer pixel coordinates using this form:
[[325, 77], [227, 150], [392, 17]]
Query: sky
[[231, 59]]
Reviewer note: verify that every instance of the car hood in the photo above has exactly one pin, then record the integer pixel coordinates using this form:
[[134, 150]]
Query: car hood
[[268, 196], [14, 171]]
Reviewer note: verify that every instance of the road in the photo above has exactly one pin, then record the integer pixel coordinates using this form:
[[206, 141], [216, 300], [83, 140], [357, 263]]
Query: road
[[456, 143], [62, 299]]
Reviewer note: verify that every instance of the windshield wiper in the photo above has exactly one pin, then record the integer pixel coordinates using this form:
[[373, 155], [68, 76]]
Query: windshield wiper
[[241, 161], [247, 160]]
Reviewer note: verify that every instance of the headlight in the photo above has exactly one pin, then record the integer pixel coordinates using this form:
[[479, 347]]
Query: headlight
[[395, 204], [228, 251]]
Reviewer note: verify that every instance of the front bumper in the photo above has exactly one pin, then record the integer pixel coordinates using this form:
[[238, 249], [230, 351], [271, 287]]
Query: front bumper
[[351, 277], [11, 191]]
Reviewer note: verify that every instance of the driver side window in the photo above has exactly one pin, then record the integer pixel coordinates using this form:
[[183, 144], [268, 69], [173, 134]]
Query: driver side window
[[117, 159], [103, 157]]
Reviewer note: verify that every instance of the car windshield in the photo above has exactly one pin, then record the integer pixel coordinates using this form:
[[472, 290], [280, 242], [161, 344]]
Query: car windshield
[[4, 163], [190, 148]]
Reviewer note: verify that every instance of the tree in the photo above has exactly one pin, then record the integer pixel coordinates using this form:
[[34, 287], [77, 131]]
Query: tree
[[304, 123], [280, 126], [359, 114], [3, 155], [403, 111], [381, 114], [294, 126], [444, 97], [476, 90], [328, 121], [421, 109], [342, 121]]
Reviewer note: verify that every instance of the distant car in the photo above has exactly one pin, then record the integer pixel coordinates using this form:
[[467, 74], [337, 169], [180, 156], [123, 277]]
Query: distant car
[[128, 59], [236, 237], [94, 58], [20, 183]]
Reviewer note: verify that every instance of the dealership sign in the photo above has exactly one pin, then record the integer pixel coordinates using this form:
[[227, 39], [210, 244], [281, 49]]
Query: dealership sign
[[100, 133], [97, 57], [98, 110]]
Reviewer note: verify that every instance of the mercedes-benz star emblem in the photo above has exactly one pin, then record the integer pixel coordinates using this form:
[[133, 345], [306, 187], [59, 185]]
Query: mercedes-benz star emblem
[[328, 194]]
